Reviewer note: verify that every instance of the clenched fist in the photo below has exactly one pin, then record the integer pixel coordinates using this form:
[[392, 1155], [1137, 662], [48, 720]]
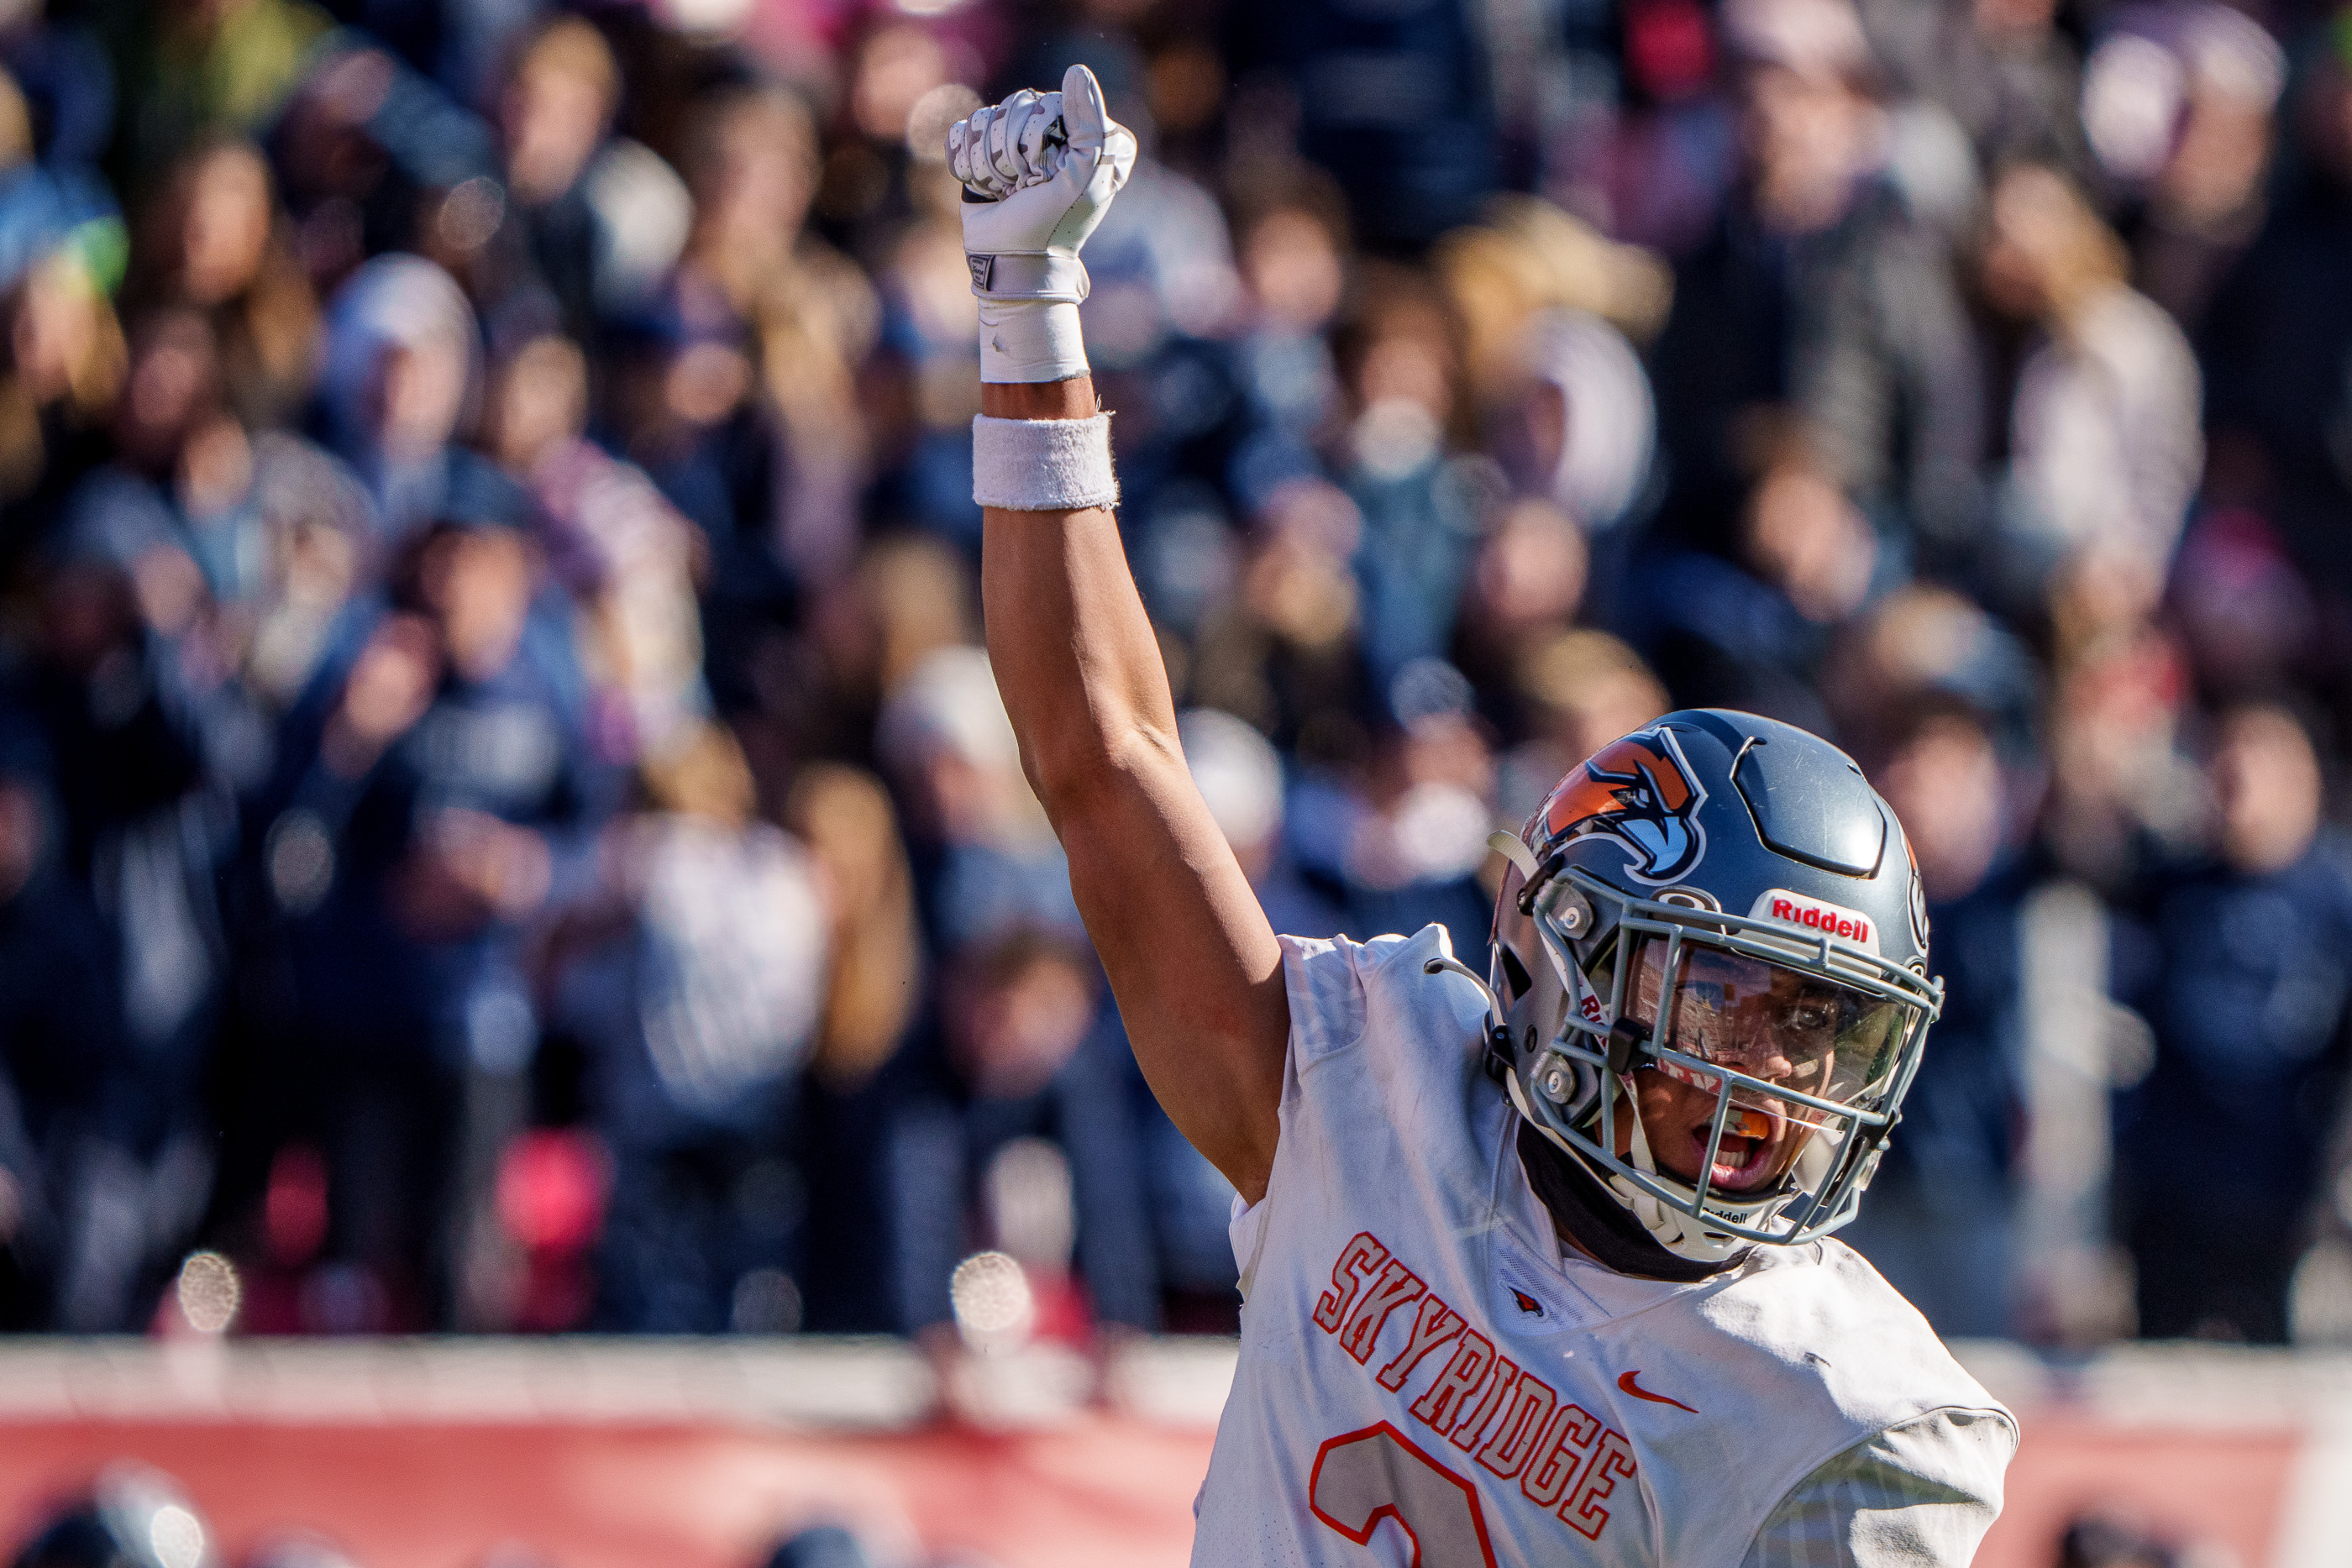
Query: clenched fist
[[1039, 169]]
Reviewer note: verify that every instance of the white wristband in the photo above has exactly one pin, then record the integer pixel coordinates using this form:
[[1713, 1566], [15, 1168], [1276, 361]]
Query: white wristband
[[1030, 341], [1042, 464]]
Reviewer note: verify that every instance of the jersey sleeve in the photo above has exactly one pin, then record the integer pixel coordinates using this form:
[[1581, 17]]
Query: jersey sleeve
[[1328, 1013], [1918, 1495]]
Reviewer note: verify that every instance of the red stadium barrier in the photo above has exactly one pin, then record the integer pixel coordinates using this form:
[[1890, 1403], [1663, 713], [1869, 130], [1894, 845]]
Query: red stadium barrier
[[597, 1456]]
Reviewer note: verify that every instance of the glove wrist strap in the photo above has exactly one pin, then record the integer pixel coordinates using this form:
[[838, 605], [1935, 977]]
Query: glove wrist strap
[[1017, 275]]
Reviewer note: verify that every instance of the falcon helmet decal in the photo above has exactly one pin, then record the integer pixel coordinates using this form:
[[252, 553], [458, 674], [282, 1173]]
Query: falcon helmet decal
[[1640, 793]]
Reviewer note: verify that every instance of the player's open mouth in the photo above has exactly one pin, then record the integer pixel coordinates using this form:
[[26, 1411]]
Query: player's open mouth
[[1744, 1159]]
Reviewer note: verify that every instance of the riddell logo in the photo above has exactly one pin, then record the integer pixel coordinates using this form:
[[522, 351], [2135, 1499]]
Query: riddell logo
[[1795, 909]]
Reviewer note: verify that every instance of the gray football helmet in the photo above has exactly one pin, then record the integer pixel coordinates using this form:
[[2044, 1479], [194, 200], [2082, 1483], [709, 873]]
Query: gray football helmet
[[1725, 900]]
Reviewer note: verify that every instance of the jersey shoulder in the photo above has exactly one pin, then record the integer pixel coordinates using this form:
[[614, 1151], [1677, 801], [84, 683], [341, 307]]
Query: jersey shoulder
[[1341, 990], [1821, 1321], [1807, 1343]]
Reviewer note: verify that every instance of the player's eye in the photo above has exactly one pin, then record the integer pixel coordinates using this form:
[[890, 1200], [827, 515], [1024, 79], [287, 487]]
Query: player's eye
[[1810, 1015]]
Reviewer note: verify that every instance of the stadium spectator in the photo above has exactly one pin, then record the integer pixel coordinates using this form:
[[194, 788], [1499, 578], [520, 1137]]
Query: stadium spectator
[[218, 243], [2276, 335], [2104, 445], [2239, 967], [1822, 296], [693, 975]]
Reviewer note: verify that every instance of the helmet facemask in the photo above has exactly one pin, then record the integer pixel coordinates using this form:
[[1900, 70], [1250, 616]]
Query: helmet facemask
[[1801, 1044]]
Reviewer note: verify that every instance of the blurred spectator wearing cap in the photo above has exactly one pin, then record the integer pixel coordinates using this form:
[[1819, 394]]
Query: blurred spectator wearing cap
[[1938, 1223], [2278, 332], [2104, 448], [2239, 965], [401, 376], [695, 975], [1821, 294]]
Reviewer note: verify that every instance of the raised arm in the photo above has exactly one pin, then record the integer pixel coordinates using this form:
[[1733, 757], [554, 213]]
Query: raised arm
[[1190, 957]]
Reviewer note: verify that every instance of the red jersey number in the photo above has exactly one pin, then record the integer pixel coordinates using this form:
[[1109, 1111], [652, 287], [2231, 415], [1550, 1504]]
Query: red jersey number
[[1362, 1478]]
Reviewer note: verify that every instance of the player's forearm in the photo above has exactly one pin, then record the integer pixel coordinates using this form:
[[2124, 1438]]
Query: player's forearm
[[1074, 651], [1071, 399]]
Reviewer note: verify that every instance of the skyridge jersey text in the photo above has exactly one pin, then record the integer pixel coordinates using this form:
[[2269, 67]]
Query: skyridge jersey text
[[1564, 1458]]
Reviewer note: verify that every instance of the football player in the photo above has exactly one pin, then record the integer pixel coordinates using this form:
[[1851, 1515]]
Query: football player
[[1537, 1264]]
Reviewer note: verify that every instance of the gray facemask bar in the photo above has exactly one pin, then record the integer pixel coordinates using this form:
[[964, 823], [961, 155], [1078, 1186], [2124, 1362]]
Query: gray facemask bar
[[1835, 1197]]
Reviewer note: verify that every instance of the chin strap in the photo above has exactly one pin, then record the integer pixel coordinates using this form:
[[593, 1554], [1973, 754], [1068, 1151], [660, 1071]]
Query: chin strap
[[1678, 1233], [1669, 1227]]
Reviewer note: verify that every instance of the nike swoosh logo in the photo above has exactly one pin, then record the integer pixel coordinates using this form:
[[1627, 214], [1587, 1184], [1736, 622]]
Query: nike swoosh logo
[[1638, 1392]]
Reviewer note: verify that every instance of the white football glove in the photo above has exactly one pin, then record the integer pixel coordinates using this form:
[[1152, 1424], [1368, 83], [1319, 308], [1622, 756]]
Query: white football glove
[[1038, 170]]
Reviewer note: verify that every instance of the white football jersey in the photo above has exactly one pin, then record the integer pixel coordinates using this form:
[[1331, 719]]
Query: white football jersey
[[1416, 1348]]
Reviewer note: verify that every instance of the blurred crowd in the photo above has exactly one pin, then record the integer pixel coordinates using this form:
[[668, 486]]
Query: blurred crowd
[[504, 820], [131, 1515]]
